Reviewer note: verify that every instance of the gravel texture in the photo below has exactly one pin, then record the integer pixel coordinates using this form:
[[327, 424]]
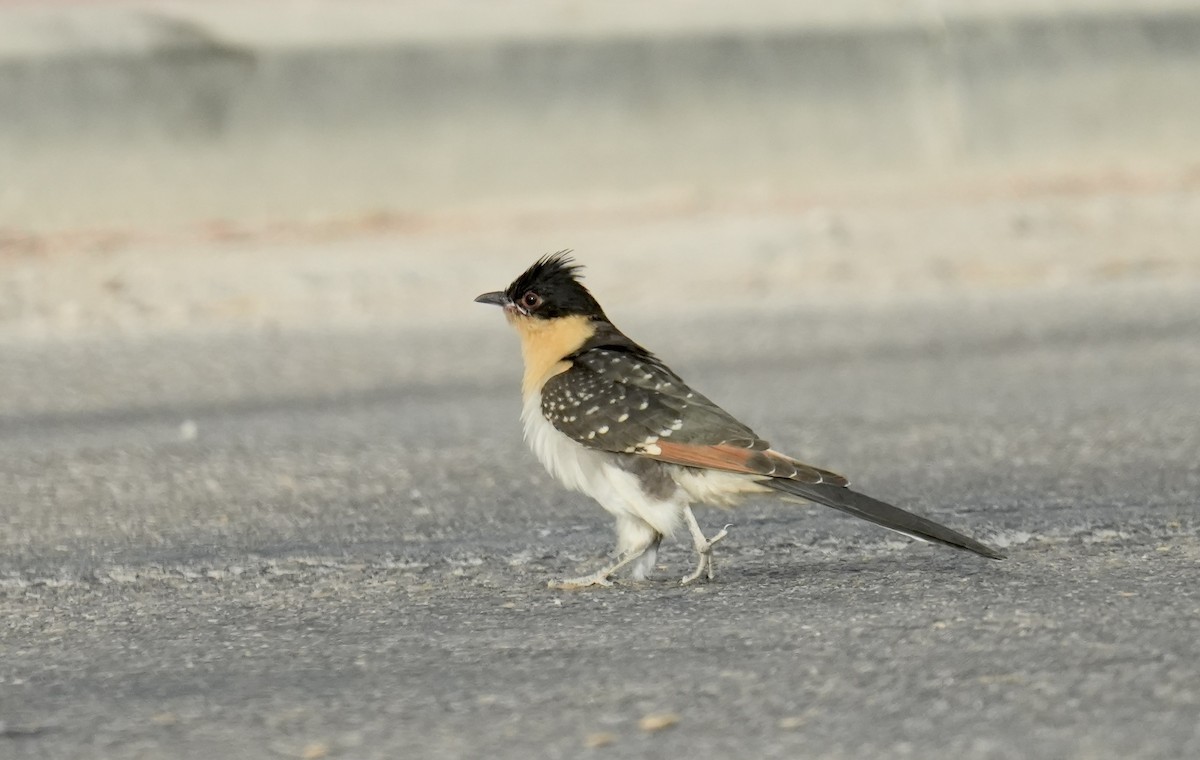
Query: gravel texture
[[305, 542]]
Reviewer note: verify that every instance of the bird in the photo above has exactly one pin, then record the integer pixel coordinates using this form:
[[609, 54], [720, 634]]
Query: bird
[[608, 418]]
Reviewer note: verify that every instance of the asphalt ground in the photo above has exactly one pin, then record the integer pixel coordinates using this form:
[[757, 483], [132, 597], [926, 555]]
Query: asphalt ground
[[306, 544]]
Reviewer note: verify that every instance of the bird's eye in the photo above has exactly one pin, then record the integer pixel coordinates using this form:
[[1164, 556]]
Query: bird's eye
[[531, 300]]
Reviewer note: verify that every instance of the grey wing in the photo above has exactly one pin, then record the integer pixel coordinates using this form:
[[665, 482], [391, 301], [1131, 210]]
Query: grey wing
[[624, 402], [619, 401]]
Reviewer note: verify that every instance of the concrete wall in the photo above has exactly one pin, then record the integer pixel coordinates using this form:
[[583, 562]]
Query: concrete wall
[[164, 113]]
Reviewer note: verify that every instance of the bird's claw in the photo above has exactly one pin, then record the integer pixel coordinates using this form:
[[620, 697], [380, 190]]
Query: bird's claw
[[704, 563]]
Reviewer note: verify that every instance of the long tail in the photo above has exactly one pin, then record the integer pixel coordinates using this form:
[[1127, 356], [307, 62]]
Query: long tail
[[873, 510]]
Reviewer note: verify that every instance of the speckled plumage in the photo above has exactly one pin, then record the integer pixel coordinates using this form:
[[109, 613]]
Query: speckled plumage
[[607, 418]]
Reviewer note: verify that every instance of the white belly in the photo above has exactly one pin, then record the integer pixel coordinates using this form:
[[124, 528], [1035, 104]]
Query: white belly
[[596, 474]]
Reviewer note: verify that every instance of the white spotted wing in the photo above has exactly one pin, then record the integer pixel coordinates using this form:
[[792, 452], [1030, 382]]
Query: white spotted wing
[[628, 402]]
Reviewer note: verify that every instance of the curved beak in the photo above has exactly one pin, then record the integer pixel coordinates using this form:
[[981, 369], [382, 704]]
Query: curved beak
[[496, 298]]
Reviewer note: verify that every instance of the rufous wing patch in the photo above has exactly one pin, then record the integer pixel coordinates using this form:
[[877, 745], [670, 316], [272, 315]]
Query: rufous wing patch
[[729, 458], [719, 457], [733, 459]]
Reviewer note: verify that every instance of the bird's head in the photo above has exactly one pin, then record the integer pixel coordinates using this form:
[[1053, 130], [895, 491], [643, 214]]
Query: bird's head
[[548, 290]]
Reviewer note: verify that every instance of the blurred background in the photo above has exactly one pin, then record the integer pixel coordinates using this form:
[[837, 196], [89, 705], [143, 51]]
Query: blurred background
[[168, 165], [262, 488]]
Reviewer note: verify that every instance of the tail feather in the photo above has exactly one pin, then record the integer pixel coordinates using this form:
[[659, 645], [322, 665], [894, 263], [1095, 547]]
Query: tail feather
[[873, 510]]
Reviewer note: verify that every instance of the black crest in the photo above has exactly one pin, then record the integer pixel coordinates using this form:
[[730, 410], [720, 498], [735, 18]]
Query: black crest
[[557, 292]]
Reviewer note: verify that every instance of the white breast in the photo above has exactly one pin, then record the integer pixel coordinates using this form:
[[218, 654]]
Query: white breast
[[573, 465], [595, 473]]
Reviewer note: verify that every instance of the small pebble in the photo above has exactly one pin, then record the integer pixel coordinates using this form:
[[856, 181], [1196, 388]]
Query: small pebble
[[315, 751], [598, 740], [658, 721], [188, 430]]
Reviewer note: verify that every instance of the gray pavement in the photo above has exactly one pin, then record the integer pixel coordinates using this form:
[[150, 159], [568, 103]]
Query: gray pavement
[[295, 544]]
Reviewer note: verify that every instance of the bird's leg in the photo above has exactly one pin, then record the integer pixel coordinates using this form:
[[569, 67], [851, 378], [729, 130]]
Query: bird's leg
[[704, 559], [645, 563], [600, 577]]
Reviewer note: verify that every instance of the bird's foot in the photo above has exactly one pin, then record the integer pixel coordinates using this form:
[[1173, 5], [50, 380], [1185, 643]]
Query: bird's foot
[[601, 577], [704, 558], [598, 578]]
